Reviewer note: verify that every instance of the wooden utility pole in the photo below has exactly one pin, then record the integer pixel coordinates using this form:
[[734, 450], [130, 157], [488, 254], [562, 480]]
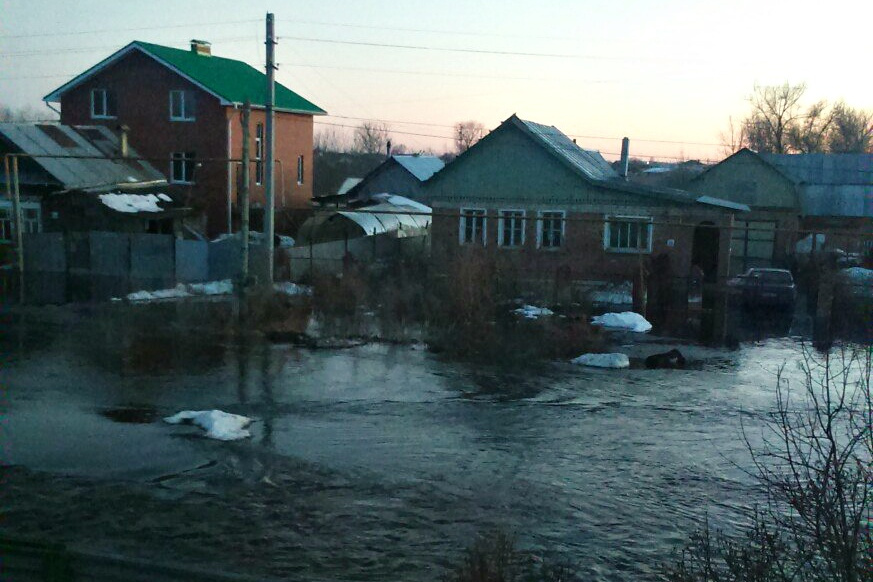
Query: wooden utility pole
[[269, 183], [244, 196]]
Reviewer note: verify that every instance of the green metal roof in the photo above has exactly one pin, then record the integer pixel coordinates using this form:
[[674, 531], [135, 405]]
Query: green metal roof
[[233, 81]]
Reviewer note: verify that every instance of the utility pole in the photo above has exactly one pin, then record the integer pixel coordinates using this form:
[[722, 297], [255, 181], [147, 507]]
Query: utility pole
[[244, 197], [269, 184]]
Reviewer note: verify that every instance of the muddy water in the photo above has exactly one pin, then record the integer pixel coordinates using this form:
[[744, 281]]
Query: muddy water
[[388, 459]]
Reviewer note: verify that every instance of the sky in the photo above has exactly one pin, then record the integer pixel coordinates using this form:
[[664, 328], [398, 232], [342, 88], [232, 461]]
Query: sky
[[666, 74]]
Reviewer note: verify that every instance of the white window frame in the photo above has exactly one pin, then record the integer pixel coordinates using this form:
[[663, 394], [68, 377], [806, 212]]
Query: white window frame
[[607, 233], [104, 102], [563, 228], [502, 216], [7, 223], [185, 158], [480, 237], [259, 154], [183, 105], [300, 170]]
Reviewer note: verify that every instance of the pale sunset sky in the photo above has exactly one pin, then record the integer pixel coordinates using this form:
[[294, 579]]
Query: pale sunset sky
[[666, 74]]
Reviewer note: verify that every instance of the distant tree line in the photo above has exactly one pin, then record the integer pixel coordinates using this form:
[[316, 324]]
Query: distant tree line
[[779, 123]]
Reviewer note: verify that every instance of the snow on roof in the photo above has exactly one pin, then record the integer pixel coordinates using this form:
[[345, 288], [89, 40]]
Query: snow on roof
[[422, 167], [134, 203], [347, 185]]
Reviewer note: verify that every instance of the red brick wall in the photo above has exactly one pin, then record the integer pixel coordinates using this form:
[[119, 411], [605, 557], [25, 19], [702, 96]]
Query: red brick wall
[[583, 253], [142, 89]]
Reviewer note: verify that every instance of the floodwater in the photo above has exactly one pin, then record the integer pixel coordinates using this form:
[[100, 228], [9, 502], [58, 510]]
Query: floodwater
[[610, 470]]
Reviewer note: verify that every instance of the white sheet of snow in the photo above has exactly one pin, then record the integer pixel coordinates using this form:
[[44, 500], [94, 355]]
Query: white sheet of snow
[[602, 360], [133, 203], [626, 320], [223, 287], [289, 288], [218, 424], [858, 274], [533, 312]]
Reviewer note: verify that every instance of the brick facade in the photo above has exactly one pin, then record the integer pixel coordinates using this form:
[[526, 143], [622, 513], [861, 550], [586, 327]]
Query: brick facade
[[142, 91]]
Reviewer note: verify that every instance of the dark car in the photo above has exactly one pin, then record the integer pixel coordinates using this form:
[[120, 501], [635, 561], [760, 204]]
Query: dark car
[[770, 287]]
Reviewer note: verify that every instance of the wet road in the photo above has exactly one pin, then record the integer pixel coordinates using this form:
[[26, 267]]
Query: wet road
[[608, 469]]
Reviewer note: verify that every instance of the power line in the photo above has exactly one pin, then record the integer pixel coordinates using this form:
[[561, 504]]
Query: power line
[[135, 29], [54, 54], [469, 50]]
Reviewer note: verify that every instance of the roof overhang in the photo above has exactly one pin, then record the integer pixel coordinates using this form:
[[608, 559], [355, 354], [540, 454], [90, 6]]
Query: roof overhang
[[55, 96]]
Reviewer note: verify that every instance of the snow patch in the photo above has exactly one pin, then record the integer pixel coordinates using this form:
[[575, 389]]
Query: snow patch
[[804, 245], [224, 287], [533, 312], [289, 288], [133, 203], [602, 360], [218, 424], [211, 288], [626, 320]]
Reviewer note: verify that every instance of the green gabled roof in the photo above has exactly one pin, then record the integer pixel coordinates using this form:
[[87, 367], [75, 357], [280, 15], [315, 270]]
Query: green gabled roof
[[232, 81]]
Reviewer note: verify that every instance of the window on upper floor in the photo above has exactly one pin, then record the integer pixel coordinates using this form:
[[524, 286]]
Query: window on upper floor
[[510, 228], [259, 154], [550, 229], [182, 106], [182, 168], [300, 169], [628, 234], [472, 226], [103, 104]]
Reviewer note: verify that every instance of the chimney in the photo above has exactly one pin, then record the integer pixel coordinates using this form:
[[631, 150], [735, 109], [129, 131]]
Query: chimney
[[625, 147], [201, 47], [388, 148], [123, 146]]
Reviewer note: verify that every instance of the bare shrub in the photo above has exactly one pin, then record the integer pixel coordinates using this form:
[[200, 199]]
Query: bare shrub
[[815, 468], [495, 558]]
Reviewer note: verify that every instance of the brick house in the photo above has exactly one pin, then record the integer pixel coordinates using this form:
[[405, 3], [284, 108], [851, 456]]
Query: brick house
[[790, 195], [182, 109], [549, 210]]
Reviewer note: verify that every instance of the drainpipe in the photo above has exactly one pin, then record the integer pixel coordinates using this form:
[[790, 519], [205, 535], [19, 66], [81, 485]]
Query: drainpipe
[[625, 147], [125, 148]]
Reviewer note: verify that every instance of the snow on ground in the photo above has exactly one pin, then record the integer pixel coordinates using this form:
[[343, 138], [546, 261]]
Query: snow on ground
[[602, 360], [533, 312], [133, 203], [289, 288], [218, 424], [626, 320], [224, 287], [621, 294]]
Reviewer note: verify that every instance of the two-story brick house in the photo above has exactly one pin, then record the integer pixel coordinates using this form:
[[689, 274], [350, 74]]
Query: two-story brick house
[[182, 110]]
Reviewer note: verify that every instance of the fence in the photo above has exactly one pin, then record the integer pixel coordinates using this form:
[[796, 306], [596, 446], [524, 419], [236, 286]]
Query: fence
[[29, 561], [99, 265]]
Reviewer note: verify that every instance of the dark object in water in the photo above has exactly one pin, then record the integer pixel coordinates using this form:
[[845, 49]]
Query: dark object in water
[[671, 359]]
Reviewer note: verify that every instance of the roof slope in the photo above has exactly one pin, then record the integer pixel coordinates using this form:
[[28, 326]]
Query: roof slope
[[822, 169], [422, 167], [232, 81], [96, 144]]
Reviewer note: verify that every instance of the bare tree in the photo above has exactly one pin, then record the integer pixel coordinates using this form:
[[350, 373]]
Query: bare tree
[[775, 110], [371, 137], [851, 130], [330, 139], [809, 133], [467, 133], [734, 139]]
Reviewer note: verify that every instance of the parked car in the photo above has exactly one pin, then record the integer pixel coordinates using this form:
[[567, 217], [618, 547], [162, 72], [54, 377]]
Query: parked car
[[770, 287]]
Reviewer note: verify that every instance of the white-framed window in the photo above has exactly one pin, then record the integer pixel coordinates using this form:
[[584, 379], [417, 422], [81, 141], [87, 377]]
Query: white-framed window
[[30, 219], [510, 228], [299, 170], [182, 168], [259, 154], [182, 105], [628, 234], [472, 228], [103, 104], [550, 229]]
